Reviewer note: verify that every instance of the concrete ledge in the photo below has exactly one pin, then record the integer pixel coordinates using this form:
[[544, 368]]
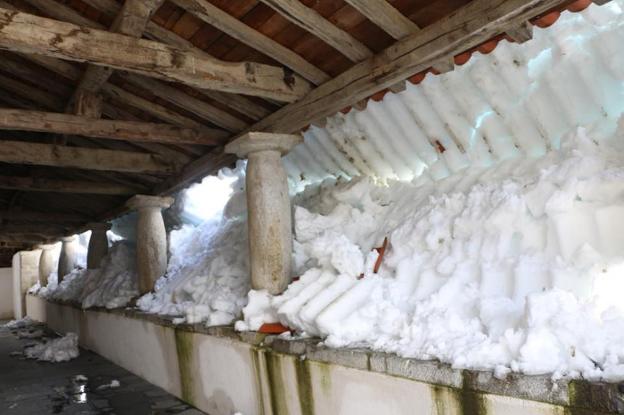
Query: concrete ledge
[[221, 371]]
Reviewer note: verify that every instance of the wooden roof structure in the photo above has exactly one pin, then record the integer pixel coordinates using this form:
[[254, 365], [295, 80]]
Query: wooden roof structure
[[104, 99]]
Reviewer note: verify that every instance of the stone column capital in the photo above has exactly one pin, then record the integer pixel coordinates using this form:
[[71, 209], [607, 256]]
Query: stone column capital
[[98, 226], [45, 247], [68, 238], [137, 202], [258, 141]]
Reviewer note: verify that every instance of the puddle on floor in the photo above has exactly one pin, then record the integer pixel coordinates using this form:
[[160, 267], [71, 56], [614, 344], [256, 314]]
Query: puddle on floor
[[78, 391]]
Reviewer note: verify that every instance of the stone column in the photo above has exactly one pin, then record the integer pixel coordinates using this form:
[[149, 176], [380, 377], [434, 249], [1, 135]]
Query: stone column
[[98, 244], [268, 207], [25, 275], [67, 260], [46, 262], [151, 239]]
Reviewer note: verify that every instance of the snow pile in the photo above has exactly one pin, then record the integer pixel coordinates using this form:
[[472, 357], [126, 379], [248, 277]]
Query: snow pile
[[112, 285], [207, 277], [57, 350], [513, 268]]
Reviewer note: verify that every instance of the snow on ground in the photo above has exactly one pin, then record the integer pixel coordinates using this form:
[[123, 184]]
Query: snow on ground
[[208, 274], [61, 349], [112, 285], [511, 268]]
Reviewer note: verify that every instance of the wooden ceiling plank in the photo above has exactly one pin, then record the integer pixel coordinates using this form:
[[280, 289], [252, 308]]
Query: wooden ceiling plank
[[310, 20], [18, 152], [48, 122], [384, 15], [26, 33], [230, 25]]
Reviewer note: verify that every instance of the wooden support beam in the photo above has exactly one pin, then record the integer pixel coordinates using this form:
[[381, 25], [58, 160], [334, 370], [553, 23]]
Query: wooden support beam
[[521, 33], [18, 152], [26, 33], [41, 184], [196, 106], [226, 23], [49, 122], [33, 229], [310, 20], [444, 65], [473, 24], [34, 216], [384, 15], [239, 103], [130, 21]]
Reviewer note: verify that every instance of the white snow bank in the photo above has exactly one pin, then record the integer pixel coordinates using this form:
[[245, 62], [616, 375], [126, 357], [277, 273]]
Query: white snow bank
[[513, 268], [57, 350], [112, 285], [207, 277]]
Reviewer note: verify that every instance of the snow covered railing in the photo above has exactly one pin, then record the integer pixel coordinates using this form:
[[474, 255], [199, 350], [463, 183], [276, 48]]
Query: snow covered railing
[[222, 371]]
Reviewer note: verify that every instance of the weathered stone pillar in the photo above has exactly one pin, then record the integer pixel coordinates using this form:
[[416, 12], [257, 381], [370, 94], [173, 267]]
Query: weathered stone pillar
[[98, 244], [25, 275], [67, 259], [151, 239], [46, 262], [268, 207]]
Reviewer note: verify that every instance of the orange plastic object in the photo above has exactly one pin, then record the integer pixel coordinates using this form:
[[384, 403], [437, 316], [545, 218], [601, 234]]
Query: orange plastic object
[[381, 250], [273, 328]]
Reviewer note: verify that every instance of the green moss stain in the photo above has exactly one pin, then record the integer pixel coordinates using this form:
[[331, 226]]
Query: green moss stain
[[325, 377], [184, 350], [470, 402], [444, 400], [304, 386], [277, 388], [255, 361]]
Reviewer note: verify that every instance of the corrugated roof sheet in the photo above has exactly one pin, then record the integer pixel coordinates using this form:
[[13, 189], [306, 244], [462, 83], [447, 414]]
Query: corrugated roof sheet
[[508, 100]]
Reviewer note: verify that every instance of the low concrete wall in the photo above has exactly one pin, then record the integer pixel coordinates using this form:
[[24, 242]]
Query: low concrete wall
[[6, 293], [222, 372]]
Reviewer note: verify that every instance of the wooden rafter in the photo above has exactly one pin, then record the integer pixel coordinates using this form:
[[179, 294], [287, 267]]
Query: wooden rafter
[[236, 102], [40, 184], [18, 152], [49, 122], [26, 33], [384, 15], [216, 17], [310, 20], [35, 216]]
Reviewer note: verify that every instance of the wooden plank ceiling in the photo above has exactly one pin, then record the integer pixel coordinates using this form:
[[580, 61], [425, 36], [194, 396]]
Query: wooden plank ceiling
[[58, 172]]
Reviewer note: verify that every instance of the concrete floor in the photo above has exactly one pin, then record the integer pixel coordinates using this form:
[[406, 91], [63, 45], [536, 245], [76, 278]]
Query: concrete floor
[[32, 387]]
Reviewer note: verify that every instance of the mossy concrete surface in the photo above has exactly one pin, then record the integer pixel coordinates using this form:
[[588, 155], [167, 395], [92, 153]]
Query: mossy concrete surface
[[223, 372]]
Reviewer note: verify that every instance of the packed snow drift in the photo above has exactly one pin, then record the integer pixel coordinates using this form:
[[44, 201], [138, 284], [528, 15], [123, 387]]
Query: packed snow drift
[[61, 349]]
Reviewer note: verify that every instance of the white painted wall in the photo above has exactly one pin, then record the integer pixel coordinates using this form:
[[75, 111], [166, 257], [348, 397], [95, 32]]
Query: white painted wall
[[6, 293], [25, 275], [222, 375]]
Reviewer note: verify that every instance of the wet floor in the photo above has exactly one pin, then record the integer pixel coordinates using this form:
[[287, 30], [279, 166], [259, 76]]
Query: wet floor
[[88, 384]]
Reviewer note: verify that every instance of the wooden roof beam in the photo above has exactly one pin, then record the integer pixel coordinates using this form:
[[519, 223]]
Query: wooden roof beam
[[49, 122], [314, 23], [34, 216], [26, 33], [233, 27], [384, 15], [18, 152], [236, 102], [41, 184]]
